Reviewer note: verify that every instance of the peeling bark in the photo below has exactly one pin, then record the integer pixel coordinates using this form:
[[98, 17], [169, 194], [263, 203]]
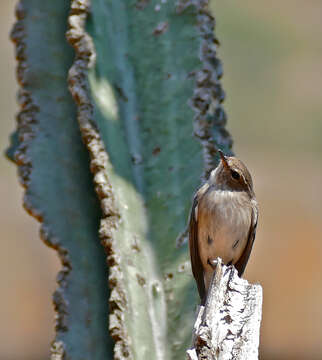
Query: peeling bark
[[227, 327]]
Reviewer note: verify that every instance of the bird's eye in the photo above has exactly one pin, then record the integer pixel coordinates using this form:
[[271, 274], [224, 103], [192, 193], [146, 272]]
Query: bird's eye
[[235, 175]]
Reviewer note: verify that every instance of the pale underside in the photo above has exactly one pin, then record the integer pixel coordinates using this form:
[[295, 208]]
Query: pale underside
[[224, 221]]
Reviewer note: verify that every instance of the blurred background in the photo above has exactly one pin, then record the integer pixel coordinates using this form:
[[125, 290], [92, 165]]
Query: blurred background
[[272, 55]]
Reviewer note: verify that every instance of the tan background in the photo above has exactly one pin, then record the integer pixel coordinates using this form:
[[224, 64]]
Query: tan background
[[272, 53]]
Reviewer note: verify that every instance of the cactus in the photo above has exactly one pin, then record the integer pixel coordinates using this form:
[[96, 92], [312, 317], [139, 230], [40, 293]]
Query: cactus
[[116, 130]]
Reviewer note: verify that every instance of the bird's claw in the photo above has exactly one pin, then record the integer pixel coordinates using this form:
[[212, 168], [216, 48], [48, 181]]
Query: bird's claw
[[213, 263]]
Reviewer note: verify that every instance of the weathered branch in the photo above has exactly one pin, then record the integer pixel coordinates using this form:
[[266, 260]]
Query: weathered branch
[[227, 327]]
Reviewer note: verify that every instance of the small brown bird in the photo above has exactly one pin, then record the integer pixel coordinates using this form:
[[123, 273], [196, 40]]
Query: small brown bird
[[223, 221]]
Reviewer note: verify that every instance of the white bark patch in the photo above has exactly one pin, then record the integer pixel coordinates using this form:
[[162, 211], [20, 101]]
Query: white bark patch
[[227, 327]]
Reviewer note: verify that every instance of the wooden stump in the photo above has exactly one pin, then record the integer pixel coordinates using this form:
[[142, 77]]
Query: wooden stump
[[227, 327]]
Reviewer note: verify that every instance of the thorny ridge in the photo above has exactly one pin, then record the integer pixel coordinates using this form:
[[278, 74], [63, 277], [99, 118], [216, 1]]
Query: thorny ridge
[[210, 117], [208, 96], [78, 85], [27, 125]]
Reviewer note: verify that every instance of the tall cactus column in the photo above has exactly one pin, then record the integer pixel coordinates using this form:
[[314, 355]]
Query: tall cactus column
[[138, 83]]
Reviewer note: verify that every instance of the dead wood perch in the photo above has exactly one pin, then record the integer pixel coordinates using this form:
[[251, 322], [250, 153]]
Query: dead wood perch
[[227, 327]]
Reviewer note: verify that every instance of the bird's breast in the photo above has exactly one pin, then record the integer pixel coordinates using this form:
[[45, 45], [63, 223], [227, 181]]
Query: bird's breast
[[228, 208], [224, 219]]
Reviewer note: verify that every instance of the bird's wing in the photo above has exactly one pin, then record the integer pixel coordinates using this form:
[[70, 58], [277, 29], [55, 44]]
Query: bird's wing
[[242, 262], [196, 264]]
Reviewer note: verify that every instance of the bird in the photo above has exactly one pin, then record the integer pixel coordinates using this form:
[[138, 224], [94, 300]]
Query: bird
[[223, 221]]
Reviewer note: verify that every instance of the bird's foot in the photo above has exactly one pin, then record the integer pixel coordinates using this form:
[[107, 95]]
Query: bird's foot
[[213, 263]]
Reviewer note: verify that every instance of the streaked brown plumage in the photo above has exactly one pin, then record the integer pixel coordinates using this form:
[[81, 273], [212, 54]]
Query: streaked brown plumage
[[223, 221]]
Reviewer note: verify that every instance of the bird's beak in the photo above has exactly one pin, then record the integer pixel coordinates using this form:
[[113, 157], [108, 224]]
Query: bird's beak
[[223, 159]]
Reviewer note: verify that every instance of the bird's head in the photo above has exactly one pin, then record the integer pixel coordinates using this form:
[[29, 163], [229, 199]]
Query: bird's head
[[231, 174]]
